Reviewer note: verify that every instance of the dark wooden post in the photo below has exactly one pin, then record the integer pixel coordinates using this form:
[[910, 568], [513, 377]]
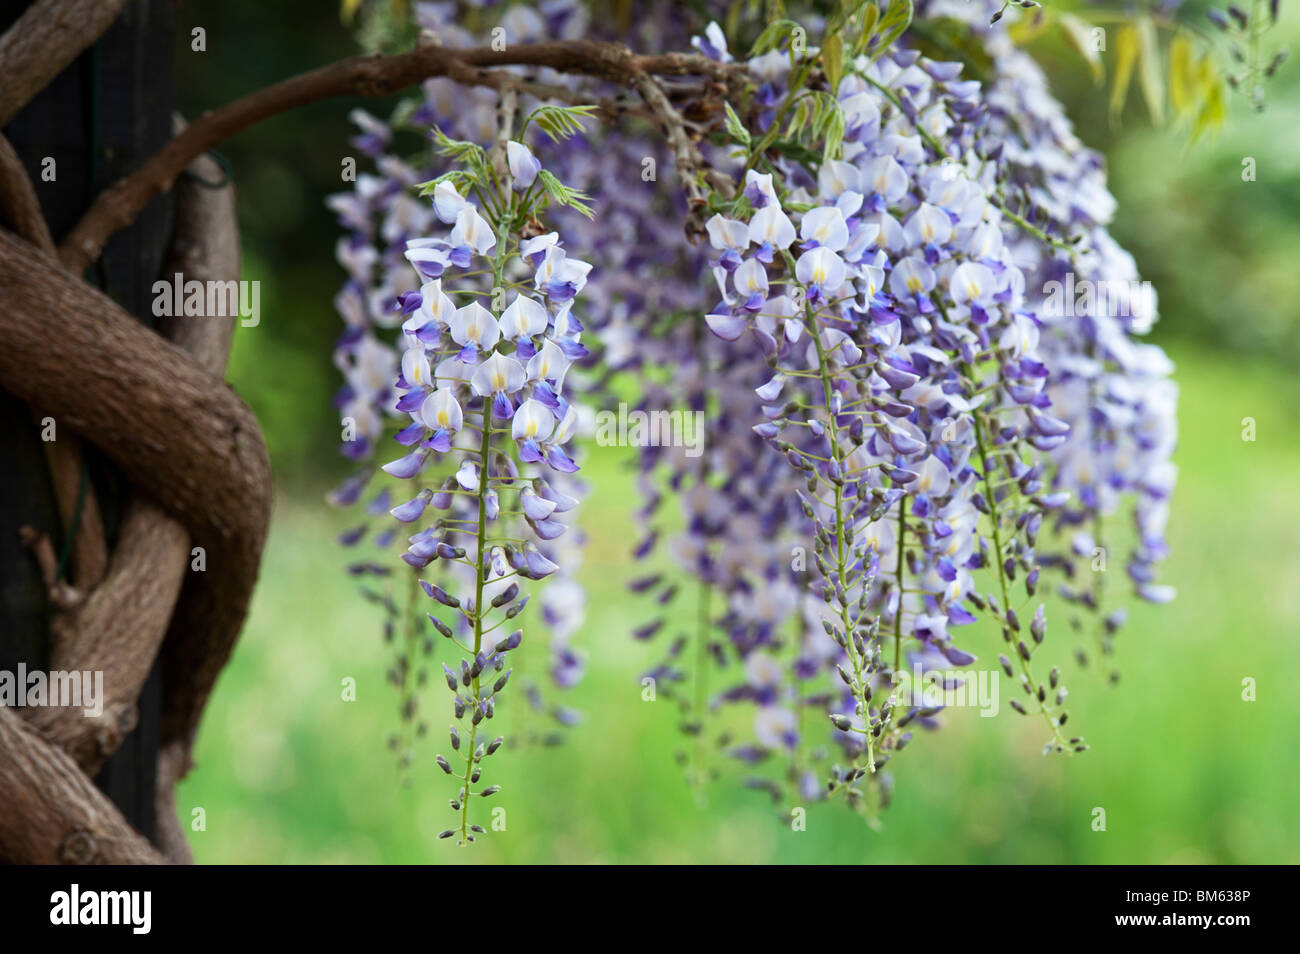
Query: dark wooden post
[[99, 119]]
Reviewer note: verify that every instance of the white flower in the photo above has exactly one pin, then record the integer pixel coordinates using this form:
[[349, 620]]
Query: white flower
[[826, 227], [533, 421], [727, 233], [971, 282], [1020, 337], [774, 727], [821, 267], [929, 225], [751, 278], [472, 231], [415, 367], [447, 202], [771, 225], [499, 374], [441, 411], [435, 304], [549, 364], [474, 326], [523, 164], [523, 318]]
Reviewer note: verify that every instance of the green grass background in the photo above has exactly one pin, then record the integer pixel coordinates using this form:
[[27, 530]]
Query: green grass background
[[1185, 769]]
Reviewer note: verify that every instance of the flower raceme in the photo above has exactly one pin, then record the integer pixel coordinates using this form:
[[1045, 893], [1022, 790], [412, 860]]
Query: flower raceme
[[901, 438], [480, 404], [913, 388]]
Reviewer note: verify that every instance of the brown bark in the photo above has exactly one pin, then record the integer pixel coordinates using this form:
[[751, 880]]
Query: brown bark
[[118, 206], [18, 202], [172, 427], [119, 627], [46, 38], [173, 764], [53, 814], [182, 438], [76, 504]]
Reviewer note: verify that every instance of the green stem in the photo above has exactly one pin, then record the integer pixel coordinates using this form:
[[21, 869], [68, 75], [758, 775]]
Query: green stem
[[841, 558], [1033, 230], [484, 448], [898, 615], [1001, 569], [480, 561], [701, 678]]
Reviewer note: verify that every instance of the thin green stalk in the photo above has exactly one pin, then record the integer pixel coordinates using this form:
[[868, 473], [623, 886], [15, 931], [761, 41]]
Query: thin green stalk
[[701, 678], [898, 615], [1001, 569], [484, 449], [485, 446], [832, 431]]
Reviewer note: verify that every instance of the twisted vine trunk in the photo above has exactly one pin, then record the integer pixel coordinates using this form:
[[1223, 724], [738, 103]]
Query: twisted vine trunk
[[153, 455]]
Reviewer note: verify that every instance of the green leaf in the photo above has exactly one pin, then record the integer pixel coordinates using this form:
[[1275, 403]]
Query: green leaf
[[1182, 78], [1213, 109], [456, 148], [870, 16], [735, 128], [559, 122], [461, 179], [771, 36], [1150, 70], [467, 153], [898, 15], [1126, 53], [833, 60], [563, 195], [1081, 35], [834, 134]]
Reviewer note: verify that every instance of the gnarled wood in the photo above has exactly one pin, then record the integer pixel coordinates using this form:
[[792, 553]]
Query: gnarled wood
[[53, 814], [76, 504], [118, 206], [47, 37], [117, 630], [173, 428]]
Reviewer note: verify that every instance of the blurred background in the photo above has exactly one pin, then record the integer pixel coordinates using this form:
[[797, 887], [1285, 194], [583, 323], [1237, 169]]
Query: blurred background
[[1185, 769]]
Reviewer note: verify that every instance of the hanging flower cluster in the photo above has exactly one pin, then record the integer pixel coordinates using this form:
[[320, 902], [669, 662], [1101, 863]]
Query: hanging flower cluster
[[904, 430], [487, 337], [499, 507], [939, 410]]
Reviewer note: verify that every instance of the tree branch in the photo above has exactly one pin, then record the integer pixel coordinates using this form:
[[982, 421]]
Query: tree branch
[[118, 205], [117, 630], [46, 38], [72, 491], [120, 627], [18, 202], [53, 813], [691, 167], [174, 429]]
